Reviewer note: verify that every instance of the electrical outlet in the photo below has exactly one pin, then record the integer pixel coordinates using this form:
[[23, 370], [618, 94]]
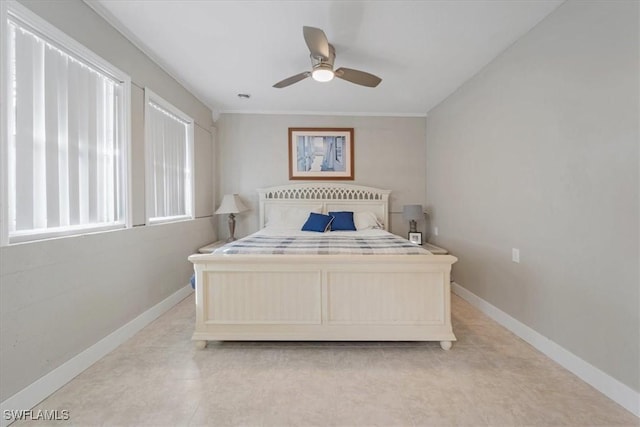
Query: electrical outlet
[[435, 231], [515, 255]]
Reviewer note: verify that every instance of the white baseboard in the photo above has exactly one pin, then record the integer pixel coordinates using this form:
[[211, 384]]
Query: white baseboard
[[35, 393], [620, 393]]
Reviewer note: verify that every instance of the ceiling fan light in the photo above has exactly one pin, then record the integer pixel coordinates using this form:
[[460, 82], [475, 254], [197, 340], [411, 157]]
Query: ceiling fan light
[[322, 75]]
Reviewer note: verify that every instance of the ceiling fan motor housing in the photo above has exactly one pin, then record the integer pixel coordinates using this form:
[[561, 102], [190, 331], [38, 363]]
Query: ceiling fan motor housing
[[318, 62]]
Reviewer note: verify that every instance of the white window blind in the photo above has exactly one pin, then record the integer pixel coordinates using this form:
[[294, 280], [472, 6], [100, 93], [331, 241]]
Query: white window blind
[[169, 152], [66, 151]]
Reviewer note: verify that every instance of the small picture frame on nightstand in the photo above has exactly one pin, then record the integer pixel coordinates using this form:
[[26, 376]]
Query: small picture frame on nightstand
[[415, 238]]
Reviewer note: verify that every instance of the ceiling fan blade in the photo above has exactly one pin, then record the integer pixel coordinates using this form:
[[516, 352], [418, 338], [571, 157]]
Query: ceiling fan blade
[[291, 80], [316, 42], [358, 77]]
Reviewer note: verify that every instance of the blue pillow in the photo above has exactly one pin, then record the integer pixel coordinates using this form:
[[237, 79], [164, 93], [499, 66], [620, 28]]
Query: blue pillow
[[317, 222], [342, 221]]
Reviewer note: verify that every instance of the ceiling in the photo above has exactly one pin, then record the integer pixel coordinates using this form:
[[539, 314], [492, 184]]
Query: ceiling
[[422, 50]]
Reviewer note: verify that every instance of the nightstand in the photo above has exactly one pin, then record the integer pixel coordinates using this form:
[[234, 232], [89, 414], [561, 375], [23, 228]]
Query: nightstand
[[436, 250], [211, 247]]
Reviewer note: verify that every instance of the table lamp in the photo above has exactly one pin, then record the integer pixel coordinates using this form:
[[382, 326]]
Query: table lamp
[[413, 213], [231, 204]]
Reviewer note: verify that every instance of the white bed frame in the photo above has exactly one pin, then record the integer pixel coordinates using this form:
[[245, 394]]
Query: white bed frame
[[323, 297]]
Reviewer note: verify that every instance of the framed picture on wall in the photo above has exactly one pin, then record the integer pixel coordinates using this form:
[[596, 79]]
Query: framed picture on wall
[[321, 153], [415, 238]]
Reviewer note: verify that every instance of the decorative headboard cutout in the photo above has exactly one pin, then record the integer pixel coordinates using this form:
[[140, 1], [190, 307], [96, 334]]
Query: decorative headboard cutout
[[332, 196]]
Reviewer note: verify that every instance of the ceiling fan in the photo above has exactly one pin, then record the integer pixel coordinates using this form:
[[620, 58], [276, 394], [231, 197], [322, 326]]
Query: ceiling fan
[[322, 56]]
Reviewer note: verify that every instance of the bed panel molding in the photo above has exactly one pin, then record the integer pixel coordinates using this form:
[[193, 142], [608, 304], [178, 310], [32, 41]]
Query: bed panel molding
[[263, 297]]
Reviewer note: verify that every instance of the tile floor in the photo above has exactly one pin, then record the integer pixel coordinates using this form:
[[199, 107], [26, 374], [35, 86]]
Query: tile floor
[[490, 377]]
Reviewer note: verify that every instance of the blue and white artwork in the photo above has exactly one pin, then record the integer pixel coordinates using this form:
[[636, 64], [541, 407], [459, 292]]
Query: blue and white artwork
[[320, 153]]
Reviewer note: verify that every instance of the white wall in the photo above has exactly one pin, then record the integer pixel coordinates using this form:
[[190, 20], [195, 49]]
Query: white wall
[[539, 152], [59, 297], [253, 153]]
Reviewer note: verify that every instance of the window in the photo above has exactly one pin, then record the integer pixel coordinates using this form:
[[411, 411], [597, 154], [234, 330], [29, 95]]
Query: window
[[169, 153], [67, 140]]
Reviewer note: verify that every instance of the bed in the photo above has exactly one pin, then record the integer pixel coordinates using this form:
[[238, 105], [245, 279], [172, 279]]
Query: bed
[[322, 296]]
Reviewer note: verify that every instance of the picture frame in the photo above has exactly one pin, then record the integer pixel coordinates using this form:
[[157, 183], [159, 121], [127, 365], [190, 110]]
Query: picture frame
[[321, 154], [415, 238]]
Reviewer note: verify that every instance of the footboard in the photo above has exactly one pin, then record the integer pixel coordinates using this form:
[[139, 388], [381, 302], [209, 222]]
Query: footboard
[[323, 298]]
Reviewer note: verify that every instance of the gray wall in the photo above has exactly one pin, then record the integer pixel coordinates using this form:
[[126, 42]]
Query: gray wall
[[539, 151], [61, 296], [253, 153]]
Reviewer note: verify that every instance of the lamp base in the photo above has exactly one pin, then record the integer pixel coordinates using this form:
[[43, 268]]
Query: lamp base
[[232, 228], [412, 226]]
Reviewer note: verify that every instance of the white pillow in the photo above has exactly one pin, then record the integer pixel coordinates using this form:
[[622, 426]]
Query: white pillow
[[289, 217], [366, 220]]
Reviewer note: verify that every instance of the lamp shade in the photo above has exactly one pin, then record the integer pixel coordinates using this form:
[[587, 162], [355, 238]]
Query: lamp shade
[[231, 204], [413, 212]]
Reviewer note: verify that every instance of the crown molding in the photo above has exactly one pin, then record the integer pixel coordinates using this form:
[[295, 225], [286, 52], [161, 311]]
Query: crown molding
[[324, 113]]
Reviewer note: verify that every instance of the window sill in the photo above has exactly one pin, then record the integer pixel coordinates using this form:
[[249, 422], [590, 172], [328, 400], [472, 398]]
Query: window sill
[[34, 236], [166, 220]]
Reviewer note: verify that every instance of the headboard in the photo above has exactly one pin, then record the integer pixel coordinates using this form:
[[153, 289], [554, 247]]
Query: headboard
[[331, 196]]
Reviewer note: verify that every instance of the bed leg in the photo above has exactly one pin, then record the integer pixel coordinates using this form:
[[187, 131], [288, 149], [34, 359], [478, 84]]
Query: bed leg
[[446, 345], [200, 344]]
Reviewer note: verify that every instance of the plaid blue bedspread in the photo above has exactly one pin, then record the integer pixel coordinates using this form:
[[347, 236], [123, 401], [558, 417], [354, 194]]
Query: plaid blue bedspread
[[323, 245]]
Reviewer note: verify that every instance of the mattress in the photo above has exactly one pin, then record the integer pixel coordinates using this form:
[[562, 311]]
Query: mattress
[[282, 242]]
